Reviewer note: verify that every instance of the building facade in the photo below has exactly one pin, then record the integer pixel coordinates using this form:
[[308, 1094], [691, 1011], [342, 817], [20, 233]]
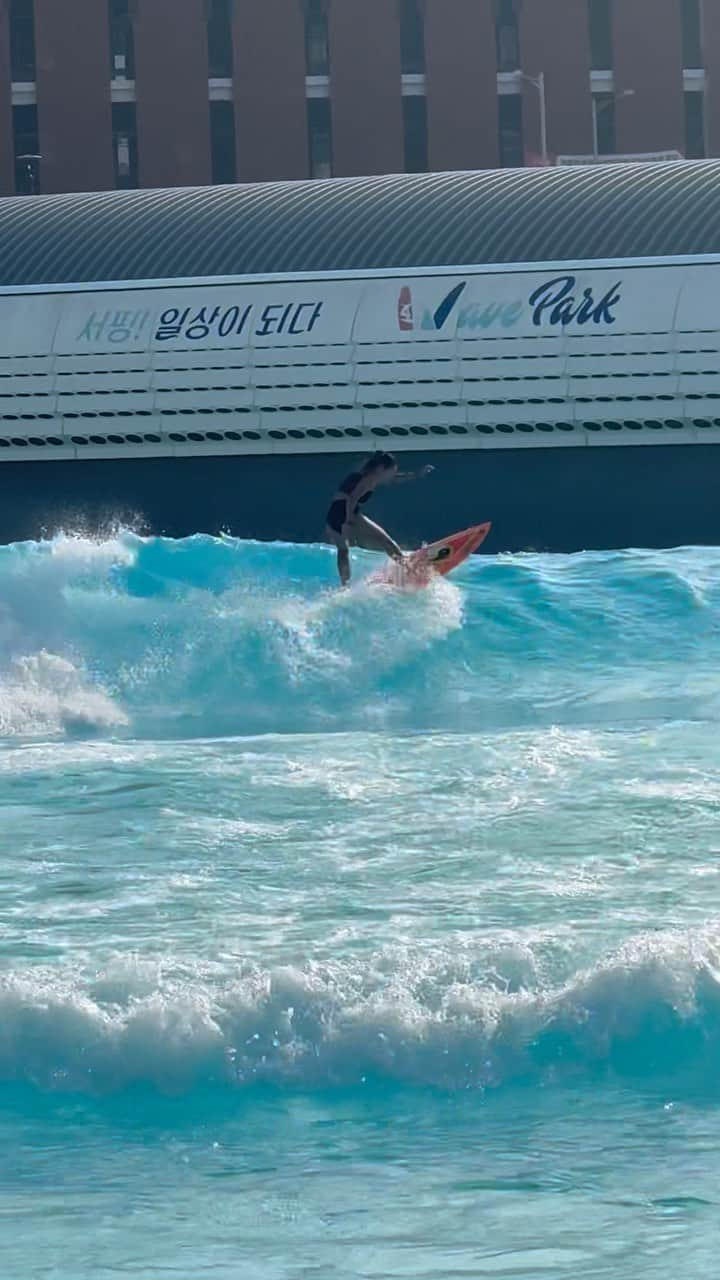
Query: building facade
[[103, 94]]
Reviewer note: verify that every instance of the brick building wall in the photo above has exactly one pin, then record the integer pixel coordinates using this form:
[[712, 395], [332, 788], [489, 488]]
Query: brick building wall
[[289, 88]]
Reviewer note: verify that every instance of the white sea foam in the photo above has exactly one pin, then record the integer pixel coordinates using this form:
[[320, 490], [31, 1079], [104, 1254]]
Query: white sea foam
[[651, 1010], [44, 694]]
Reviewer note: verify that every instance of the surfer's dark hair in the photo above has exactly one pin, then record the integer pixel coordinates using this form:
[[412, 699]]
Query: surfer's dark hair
[[379, 462]]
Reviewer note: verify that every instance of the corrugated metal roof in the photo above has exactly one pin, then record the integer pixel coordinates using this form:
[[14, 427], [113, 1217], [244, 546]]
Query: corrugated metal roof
[[411, 220]]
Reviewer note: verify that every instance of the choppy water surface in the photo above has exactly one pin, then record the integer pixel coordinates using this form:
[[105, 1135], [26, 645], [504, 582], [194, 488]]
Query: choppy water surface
[[357, 935]]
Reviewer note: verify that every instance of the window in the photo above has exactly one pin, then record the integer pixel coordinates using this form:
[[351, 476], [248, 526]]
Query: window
[[317, 56], [220, 41], [320, 137], [691, 33], [27, 159], [124, 126], [222, 137], [122, 41], [22, 40], [412, 38], [416, 137], [510, 126], [604, 124], [601, 35], [507, 35], [695, 126]]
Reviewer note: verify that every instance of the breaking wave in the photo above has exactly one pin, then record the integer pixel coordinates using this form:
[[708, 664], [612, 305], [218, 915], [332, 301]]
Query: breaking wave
[[212, 637], [650, 1011]]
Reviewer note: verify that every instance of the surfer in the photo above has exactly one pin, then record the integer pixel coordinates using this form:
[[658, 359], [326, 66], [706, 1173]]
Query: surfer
[[348, 527]]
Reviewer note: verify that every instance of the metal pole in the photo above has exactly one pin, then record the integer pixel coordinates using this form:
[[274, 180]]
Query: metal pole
[[596, 135], [543, 118]]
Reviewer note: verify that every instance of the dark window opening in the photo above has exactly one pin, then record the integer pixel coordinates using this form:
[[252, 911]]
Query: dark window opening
[[510, 130], [22, 40], [691, 33], [222, 136], [317, 54], [601, 35], [220, 41], [124, 127], [507, 35], [604, 124], [122, 41], [416, 135], [412, 38], [695, 126], [320, 137], [27, 159]]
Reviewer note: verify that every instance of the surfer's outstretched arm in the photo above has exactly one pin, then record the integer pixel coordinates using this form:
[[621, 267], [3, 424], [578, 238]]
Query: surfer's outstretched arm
[[404, 477]]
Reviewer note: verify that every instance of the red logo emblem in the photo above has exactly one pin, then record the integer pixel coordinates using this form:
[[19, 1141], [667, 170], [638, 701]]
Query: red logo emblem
[[405, 310]]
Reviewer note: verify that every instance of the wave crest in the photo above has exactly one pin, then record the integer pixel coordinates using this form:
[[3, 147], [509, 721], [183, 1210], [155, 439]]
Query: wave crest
[[653, 1010]]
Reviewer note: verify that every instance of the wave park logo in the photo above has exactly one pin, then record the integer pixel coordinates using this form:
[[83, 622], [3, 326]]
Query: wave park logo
[[431, 319], [557, 303]]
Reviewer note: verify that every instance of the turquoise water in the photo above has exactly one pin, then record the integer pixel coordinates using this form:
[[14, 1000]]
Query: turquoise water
[[357, 935]]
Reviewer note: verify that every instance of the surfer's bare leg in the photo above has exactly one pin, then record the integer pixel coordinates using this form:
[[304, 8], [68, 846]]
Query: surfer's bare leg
[[343, 563], [372, 537], [340, 541]]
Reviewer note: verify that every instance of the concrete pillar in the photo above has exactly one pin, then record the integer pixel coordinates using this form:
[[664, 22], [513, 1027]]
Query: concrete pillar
[[711, 45], [647, 39], [72, 45], [269, 86], [461, 78], [555, 40], [7, 152], [171, 86], [366, 87]]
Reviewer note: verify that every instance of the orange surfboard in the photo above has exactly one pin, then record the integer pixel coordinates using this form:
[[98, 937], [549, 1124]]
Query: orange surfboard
[[420, 567]]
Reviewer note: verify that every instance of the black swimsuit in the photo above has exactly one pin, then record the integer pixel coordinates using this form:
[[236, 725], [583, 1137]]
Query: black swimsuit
[[338, 514]]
